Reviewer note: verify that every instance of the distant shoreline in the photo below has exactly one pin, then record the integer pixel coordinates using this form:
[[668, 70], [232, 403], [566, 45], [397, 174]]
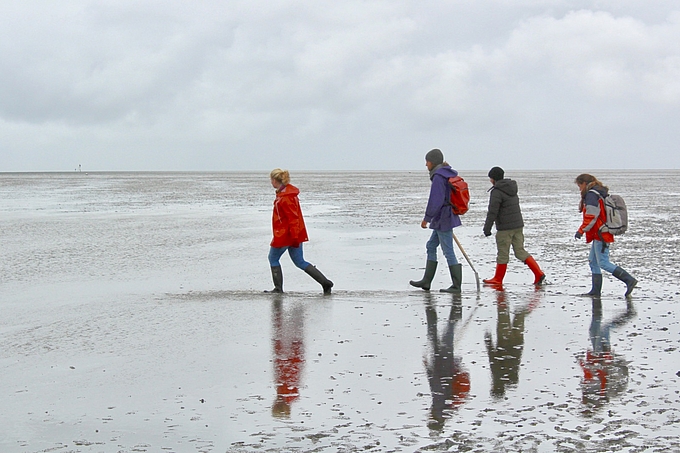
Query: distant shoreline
[[460, 170]]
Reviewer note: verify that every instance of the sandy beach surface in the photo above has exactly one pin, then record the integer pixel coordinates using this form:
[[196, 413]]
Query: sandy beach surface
[[134, 320]]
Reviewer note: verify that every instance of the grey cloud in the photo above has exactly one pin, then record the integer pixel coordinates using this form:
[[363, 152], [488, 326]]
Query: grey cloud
[[101, 64], [232, 85]]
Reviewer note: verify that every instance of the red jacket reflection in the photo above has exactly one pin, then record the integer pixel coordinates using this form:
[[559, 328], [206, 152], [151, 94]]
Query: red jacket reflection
[[288, 225], [288, 361]]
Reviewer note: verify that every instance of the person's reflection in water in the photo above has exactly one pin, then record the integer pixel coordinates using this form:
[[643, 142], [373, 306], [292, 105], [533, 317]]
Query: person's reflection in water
[[505, 356], [289, 355], [605, 374], [449, 382]]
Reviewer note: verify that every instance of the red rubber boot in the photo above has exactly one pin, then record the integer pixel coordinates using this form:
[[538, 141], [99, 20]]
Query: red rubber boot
[[498, 277], [536, 269]]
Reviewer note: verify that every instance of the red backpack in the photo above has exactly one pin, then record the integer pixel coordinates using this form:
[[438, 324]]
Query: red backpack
[[460, 195]]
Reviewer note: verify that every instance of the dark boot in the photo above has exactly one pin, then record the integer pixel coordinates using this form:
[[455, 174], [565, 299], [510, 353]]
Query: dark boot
[[539, 276], [456, 271], [498, 277], [320, 278], [596, 290], [626, 278], [277, 278], [424, 283]]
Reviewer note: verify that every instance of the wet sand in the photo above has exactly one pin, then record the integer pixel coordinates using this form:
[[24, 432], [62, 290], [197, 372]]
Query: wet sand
[[134, 320]]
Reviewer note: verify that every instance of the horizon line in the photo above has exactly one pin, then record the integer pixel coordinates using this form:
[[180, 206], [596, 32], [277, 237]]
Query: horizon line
[[324, 170]]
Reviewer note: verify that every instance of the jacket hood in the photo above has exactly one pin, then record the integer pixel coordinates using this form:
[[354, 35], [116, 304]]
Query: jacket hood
[[288, 190], [446, 171], [603, 191], [507, 186]]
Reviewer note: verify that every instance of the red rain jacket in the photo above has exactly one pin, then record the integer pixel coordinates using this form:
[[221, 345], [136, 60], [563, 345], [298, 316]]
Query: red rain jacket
[[288, 225], [594, 216]]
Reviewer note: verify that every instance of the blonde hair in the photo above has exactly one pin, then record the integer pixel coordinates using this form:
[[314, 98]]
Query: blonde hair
[[281, 176]]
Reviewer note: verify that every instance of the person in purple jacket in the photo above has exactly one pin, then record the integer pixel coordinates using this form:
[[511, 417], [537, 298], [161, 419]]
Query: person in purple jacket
[[439, 215]]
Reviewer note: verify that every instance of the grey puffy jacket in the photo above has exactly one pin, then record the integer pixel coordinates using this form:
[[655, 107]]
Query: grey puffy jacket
[[503, 207]]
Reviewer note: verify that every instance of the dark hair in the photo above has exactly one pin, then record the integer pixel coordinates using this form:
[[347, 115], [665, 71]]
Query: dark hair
[[590, 181]]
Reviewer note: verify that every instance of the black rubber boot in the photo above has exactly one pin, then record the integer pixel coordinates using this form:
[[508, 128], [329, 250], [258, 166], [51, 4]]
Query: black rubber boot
[[456, 271], [320, 278], [424, 283], [626, 278], [277, 278], [596, 290]]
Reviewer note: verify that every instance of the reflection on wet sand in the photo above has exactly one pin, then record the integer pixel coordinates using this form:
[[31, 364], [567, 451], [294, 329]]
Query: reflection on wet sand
[[605, 374], [449, 381], [289, 354], [505, 356], [142, 284]]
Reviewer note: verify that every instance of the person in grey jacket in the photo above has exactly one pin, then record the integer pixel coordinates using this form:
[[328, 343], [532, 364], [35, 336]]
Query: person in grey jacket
[[505, 212]]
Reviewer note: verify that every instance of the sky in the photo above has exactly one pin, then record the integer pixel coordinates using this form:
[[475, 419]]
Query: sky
[[168, 85]]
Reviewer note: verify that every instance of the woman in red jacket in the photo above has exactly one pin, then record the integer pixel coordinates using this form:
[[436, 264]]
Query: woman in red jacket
[[289, 230], [594, 217]]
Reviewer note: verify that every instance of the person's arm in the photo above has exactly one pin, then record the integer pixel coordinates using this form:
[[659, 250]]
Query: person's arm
[[293, 215], [591, 212], [492, 212], [437, 199]]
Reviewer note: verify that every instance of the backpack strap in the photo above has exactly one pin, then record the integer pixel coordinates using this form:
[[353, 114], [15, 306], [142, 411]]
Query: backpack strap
[[596, 193]]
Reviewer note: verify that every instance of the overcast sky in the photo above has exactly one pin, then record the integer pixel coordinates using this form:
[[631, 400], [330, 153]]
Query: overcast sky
[[343, 84]]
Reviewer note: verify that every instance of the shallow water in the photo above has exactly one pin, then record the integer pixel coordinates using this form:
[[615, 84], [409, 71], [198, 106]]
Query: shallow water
[[134, 320]]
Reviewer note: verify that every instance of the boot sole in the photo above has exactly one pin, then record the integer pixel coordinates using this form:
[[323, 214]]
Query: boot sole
[[415, 285]]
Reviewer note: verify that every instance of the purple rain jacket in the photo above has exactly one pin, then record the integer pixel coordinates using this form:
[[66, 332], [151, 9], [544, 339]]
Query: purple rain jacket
[[439, 213]]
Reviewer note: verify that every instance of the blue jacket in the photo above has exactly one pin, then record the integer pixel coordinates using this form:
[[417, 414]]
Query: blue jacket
[[438, 213]]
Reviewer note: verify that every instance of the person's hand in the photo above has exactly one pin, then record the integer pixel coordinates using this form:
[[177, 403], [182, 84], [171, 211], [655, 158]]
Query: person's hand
[[578, 235], [487, 233], [423, 224]]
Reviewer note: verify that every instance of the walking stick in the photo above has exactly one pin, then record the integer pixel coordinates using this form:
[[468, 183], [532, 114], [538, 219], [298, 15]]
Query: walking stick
[[469, 262], [458, 333]]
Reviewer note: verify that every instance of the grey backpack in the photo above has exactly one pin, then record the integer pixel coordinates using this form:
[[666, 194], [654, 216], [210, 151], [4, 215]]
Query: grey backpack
[[617, 214]]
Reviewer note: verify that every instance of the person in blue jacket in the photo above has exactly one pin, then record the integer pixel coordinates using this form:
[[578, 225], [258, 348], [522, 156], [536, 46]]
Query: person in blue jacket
[[441, 219]]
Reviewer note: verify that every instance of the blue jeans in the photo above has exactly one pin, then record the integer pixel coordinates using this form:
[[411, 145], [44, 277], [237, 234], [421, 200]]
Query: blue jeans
[[295, 253], [445, 239], [599, 259], [599, 335]]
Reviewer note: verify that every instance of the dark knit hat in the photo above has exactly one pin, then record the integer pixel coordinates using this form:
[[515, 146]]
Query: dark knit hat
[[435, 157], [496, 173]]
